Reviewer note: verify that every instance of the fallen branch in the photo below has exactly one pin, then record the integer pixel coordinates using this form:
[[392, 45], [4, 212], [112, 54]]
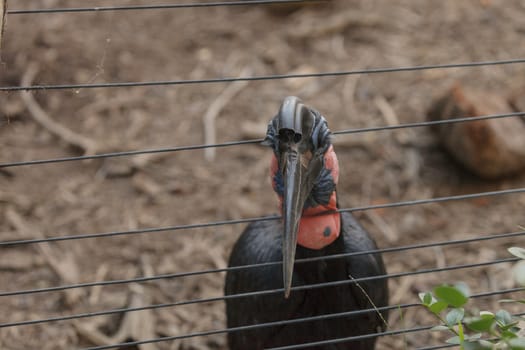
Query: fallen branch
[[134, 325], [385, 229], [87, 145], [63, 264], [391, 119], [215, 109], [337, 23]]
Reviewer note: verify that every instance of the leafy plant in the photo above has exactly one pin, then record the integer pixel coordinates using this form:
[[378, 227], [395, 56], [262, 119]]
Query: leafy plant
[[474, 330]]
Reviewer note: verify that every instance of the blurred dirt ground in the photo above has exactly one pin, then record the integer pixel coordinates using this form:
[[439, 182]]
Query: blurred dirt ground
[[167, 189]]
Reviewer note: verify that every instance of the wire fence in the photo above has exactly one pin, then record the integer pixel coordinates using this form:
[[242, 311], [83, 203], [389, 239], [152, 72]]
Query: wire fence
[[262, 218], [269, 292], [160, 6], [298, 261], [455, 120], [261, 77], [242, 143]]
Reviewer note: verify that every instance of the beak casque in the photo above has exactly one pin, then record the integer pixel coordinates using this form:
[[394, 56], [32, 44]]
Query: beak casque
[[295, 120]]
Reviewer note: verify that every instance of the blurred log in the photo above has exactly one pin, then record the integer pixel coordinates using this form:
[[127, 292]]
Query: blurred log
[[491, 148]]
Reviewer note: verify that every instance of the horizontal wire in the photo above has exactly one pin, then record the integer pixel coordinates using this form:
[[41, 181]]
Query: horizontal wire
[[256, 141], [445, 346], [263, 218], [366, 336], [267, 264], [435, 347], [354, 338], [452, 120], [306, 319], [138, 231], [262, 292], [297, 346], [433, 200], [130, 153], [157, 7], [287, 322], [255, 326], [261, 77]]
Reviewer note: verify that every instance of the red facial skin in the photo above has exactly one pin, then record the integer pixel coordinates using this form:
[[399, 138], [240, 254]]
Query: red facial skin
[[318, 231]]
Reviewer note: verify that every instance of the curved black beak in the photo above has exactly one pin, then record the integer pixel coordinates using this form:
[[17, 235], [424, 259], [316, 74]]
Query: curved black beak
[[295, 194], [295, 119]]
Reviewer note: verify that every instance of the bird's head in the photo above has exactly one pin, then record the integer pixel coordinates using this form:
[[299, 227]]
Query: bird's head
[[304, 175]]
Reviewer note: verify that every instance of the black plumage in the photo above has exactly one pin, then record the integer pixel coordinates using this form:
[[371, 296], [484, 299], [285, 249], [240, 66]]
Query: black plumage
[[304, 176], [260, 243]]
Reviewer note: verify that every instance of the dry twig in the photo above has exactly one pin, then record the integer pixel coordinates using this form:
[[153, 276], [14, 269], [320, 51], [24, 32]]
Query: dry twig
[[63, 264], [337, 23], [401, 291], [88, 146], [386, 110], [215, 109], [381, 224], [391, 119], [134, 325], [40, 116], [440, 257], [101, 274]]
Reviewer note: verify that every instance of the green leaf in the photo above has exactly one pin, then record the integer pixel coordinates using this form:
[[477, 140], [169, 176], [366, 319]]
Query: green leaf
[[474, 337], [481, 324], [426, 298], [451, 295], [506, 334], [518, 272], [503, 317], [485, 344], [437, 307], [517, 251], [517, 344], [454, 316], [439, 328], [453, 340], [463, 288], [510, 327], [486, 314], [475, 345]]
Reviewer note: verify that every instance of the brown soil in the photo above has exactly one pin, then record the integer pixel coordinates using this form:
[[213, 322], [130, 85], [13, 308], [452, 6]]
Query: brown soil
[[184, 188]]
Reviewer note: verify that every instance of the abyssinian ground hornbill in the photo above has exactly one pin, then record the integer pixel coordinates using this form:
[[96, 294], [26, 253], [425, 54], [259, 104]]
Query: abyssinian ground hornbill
[[304, 173]]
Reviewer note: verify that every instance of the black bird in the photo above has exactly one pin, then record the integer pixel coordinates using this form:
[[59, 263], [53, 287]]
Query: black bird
[[304, 174]]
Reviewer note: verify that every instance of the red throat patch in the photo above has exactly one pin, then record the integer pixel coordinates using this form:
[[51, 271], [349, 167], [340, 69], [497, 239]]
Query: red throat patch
[[317, 231]]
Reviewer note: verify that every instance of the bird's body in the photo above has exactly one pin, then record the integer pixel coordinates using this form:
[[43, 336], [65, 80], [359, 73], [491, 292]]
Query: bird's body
[[304, 174], [261, 243]]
